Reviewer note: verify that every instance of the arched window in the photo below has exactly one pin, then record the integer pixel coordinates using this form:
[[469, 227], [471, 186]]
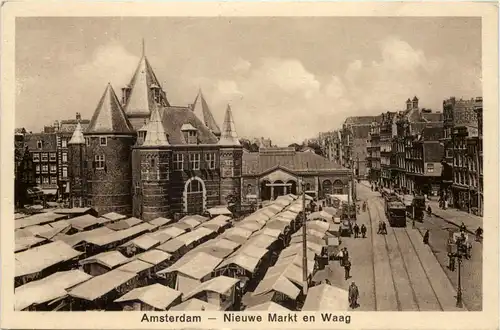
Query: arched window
[[194, 187], [249, 189], [338, 187], [308, 186]]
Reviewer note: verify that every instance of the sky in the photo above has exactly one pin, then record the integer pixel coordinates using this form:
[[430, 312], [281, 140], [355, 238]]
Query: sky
[[286, 78]]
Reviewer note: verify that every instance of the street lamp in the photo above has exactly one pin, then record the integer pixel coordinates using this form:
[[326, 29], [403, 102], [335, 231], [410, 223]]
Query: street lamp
[[459, 253]]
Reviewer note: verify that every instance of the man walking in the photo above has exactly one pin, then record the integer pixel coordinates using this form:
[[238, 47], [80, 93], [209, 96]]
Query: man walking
[[356, 231], [363, 230], [353, 295], [347, 269]]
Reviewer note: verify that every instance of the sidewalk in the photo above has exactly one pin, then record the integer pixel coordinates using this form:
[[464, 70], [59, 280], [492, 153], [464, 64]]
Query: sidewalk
[[456, 217]]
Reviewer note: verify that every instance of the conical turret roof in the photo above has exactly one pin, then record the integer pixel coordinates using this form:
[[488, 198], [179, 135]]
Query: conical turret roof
[[155, 134], [229, 137], [77, 137], [141, 99], [109, 116], [202, 111]]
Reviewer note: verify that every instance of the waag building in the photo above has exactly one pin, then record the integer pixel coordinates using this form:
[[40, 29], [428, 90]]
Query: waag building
[[142, 156]]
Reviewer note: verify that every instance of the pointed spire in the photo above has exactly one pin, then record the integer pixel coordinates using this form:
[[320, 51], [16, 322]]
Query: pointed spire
[[143, 48], [202, 111], [77, 137], [155, 134], [142, 99], [109, 116], [229, 136]]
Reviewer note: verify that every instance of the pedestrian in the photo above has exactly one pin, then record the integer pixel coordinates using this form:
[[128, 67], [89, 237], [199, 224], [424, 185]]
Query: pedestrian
[[463, 228], [363, 230], [356, 231], [429, 210], [451, 262], [347, 269], [353, 295], [379, 231], [384, 228], [426, 237], [340, 255], [479, 233]]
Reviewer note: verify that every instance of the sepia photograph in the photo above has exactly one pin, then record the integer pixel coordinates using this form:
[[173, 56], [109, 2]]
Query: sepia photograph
[[251, 163]]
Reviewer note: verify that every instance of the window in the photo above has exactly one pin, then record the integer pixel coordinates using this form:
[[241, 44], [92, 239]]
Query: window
[[39, 144], [64, 157], [52, 156], [37, 168], [36, 157], [194, 161], [153, 162], [449, 153], [46, 179], [53, 168], [45, 157], [103, 141], [37, 180], [45, 168], [195, 186], [87, 141], [53, 179], [65, 172], [210, 159], [64, 143], [100, 162], [178, 162]]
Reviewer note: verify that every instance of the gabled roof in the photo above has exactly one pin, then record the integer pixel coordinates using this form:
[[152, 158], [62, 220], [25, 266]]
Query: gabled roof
[[141, 99], [155, 133], [202, 111], [360, 120], [228, 135], [109, 116]]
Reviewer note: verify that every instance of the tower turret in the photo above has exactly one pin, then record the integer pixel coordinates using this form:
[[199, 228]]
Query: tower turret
[[109, 138], [202, 111], [151, 168], [231, 153], [76, 158]]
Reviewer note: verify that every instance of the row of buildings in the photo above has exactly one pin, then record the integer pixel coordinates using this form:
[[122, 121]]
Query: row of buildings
[[140, 156], [416, 150]]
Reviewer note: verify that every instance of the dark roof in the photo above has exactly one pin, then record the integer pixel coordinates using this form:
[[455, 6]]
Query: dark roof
[[415, 98], [432, 133], [432, 117], [49, 141], [433, 152], [201, 109], [20, 130], [68, 126], [109, 116], [174, 117], [360, 131], [255, 163], [360, 120]]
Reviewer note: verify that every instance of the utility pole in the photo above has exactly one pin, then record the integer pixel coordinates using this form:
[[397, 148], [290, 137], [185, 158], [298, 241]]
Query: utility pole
[[478, 177], [304, 240]]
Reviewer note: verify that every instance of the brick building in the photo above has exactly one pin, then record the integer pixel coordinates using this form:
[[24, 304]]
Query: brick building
[[272, 172], [387, 132], [147, 158], [331, 145], [462, 153], [43, 151], [24, 169], [373, 153]]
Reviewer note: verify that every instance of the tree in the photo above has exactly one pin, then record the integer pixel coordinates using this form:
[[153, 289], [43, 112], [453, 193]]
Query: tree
[[296, 146]]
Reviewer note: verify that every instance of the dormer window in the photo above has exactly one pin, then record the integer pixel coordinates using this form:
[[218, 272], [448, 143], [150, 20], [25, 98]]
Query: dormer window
[[190, 134], [103, 141], [39, 144]]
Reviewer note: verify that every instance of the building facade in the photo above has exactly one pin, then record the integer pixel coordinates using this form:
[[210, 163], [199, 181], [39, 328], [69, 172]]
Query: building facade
[[43, 151], [24, 170], [373, 153], [355, 134]]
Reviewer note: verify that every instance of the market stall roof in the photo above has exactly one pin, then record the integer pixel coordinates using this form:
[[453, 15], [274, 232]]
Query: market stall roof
[[219, 210], [298, 260], [124, 224], [310, 232], [24, 243], [316, 248], [250, 225], [120, 235], [242, 260], [110, 259], [113, 216], [154, 256], [294, 250], [83, 222], [277, 283], [321, 215], [39, 258], [160, 221], [74, 210], [195, 235], [155, 295], [48, 289], [37, 229], [144, 242], [194, 304], [220, 284], [268, 306], [99, 286], [271, 232], [261, 240], [325, 297], [290, 271], [135, 266], [172, 245], [239, 231], [173, 232], [38, 219], [83, 236], [199, 265], [252, 251]]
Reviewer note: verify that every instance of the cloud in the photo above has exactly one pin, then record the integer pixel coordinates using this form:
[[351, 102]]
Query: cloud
[[241, 66]]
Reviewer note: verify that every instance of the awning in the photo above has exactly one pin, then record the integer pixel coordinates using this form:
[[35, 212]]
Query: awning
[[219, 210], [49, 191], [34, 192]]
